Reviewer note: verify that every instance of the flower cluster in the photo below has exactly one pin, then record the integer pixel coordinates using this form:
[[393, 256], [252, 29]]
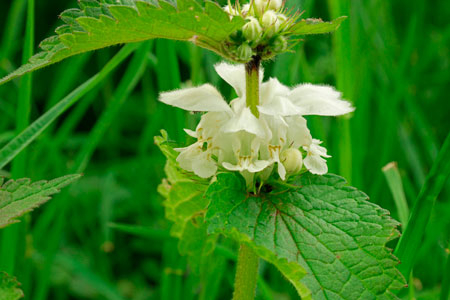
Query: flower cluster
[[230, 136], [263, 34]]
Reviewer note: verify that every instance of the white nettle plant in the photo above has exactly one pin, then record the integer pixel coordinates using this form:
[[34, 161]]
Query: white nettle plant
[[230, 136]]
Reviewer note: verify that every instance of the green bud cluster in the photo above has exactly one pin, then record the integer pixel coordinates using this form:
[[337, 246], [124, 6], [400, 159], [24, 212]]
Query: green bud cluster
[[264, 34]]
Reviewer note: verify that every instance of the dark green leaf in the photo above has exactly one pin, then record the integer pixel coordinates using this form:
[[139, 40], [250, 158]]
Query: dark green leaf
[[319, 232]]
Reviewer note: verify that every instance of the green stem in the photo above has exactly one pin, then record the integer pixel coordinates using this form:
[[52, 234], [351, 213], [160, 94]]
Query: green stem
[[246, 274], [252, 84], [248, 260]]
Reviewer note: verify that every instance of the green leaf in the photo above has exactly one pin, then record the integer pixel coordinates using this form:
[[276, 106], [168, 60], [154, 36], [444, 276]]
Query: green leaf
[[319, 232], [185, 205], [315, 26], [18, 197], [411, 239], [9, 288], [99, 24]]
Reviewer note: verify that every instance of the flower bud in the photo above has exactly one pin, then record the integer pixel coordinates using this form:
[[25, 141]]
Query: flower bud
[[262, 5], [244, 52], [280, 44], [245, 9], [230, 10], [292, 160], [252, 30], [271, 22]]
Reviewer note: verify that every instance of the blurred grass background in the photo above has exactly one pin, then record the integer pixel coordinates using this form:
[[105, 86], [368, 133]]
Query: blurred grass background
[[390, 58]]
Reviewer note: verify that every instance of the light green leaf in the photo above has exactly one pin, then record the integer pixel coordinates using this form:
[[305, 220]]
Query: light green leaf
[[18, 197], [9, 288], [185, 205], [184, 202], [98, 24], [319, 232], [315, 26]]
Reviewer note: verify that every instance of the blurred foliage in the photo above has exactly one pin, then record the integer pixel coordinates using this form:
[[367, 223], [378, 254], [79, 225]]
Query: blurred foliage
[[389, 58]]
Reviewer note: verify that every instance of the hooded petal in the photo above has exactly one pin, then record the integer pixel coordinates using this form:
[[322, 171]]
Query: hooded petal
[[204, 166], [245, 121], [202, 98], [279, 106], [194, 159], [234, 75], [298, 133], [319, 100], [271, 89]]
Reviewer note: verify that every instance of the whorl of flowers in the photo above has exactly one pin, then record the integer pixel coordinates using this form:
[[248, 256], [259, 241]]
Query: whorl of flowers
[[232, 138]]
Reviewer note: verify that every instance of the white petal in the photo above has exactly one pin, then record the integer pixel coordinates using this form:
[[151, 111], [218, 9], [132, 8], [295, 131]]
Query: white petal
[[231, 167], [281, 170], [245, 121], [271, 89], [319, 100], [187, 155], [318, 150], [204, 167], [258, 166], [298, 133], [234, 75], [316, 164], [279, 106], [202, 98], [191, 133], [210, 124]]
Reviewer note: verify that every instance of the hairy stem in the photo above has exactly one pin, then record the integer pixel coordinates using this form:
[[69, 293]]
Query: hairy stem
[[252, 84], [246, 274], [248, 260]]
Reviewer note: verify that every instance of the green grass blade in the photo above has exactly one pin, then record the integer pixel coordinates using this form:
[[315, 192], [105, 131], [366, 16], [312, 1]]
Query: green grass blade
[[8, 152], [25, 92], [344, 79], [95, 281], [126, 86], [445, 289], [409, 243], [395, 185], [142, 231], [10, 236], [12, 30]]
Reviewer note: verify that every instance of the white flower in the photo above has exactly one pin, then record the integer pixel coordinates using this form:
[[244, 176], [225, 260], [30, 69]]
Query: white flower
[[232, 137], [314, 161], [194, 159]]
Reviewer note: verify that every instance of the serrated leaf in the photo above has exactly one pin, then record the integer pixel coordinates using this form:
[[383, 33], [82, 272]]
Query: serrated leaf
[[315, 26], [9, 288], [185, 205], [18, 197], [196, 243], [185, 200], [98, 24], [318, 226]]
